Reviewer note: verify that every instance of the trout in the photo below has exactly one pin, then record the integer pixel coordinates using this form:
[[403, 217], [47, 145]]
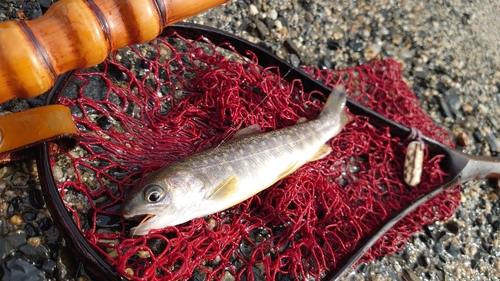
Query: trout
[[221, 177]]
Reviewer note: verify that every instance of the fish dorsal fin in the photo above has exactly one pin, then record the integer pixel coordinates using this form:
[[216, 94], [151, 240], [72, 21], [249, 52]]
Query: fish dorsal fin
[[226, 189], [247, 131], [323, 151]]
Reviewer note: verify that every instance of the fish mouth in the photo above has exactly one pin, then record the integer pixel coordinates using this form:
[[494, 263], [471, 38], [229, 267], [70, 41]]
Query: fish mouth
[[141, 218], [141, 225]]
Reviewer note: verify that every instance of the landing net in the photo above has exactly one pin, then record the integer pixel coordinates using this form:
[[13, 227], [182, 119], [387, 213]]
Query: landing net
[[152, 104]]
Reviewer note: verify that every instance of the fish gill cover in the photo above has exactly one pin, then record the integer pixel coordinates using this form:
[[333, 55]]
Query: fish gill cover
[[152, 104]]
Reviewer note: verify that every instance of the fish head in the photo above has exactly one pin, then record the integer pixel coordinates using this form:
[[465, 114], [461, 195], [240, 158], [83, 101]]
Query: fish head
[[160, 200]]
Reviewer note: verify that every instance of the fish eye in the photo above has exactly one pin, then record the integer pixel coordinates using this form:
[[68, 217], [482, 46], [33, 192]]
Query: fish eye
[[154, 193]]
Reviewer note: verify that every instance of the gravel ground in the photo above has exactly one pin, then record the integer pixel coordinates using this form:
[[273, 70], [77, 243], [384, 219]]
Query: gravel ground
[[449, 54]]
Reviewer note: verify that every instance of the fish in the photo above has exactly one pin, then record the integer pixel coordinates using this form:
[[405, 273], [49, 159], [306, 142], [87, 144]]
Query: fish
[[220, 177]]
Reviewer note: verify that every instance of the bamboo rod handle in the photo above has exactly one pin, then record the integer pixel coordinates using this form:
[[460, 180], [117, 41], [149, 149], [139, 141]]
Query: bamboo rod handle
[[77, 34]]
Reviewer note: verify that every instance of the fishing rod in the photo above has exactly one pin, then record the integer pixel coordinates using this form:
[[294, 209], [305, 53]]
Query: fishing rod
[[76, 34]]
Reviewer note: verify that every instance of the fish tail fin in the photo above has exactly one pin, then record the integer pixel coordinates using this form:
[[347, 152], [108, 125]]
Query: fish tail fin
[[334, 106]]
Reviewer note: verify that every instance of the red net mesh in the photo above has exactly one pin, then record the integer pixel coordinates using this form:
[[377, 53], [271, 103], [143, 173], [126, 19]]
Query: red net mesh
[[152, 104]]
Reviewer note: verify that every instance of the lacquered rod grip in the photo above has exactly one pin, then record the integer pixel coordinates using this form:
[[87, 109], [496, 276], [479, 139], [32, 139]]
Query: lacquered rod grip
[[76, 34]]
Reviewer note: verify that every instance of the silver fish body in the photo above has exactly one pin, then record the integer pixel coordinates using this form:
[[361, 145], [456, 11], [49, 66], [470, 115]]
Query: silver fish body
[[223, 176]]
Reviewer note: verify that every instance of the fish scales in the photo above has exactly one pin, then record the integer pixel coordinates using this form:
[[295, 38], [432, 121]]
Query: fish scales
[[220, 177]]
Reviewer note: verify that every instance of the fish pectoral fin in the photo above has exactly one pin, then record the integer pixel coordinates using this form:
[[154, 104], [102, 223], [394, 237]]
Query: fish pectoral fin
[[290, 169], [323, 151], [225, 190], [247, 131]]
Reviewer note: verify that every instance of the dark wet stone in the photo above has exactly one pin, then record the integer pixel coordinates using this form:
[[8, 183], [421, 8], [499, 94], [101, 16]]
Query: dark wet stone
[[442, 236], [49, 266], [438, 247], [36, 198], [452, 250], [333, 44], [270, 46], [29, 216], [107, 221], [423, 261], [35, 253], [97, 149], [465, 18], [53, 235], [269, 23], [15, 240], [45, 224], [30, 230], [429, 230], [443, 105], [245, 249], [452, 227], [45, 3], [251, 28], [287, 277], [420, 71], [14, 206], [423, 238], [493, 142], [198, 275], [156, 245], [477, 135], [245, 24], [486, 247], [384, 13], [355, 44], [104, 123], [283, 21], [441, 88], [261, 28], [495, 225], [453, 99], [309, 17], [18, 268], [325, 63], [294, 60], [291, 47], [32, 10], [473, 264]]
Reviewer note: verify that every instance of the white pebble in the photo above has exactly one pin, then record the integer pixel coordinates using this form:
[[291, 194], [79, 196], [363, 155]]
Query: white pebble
[[272, 14], [278, 25], [58, 173], [253, 10]]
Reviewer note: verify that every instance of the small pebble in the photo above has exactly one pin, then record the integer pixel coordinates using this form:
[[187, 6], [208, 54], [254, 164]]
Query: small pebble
[[262, 28], [143, 254], [464, 139], [278, 25], [272, 14], [35, 241], [16, 220], [253, 11], [20, 179], [57, 173]]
